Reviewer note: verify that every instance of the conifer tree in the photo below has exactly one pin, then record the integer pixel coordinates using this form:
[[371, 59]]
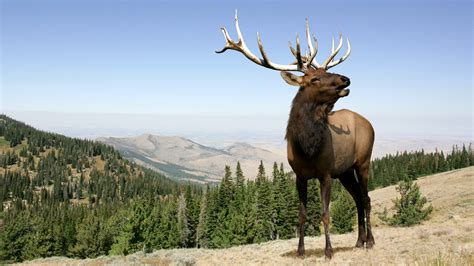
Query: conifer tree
[[226, 189], [202, 236], [313, 219], [212, 218], [410, 207], [14, 239], [264, 223], [239, 182], [92, 238], [279, 203], [183, 221], [193, 205], [170, 237], [343, 213]]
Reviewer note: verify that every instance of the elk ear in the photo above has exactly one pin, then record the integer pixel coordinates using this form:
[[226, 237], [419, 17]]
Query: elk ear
[[291, 79]]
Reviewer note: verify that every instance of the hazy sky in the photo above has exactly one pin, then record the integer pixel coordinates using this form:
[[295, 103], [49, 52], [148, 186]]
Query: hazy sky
[[411, 61]]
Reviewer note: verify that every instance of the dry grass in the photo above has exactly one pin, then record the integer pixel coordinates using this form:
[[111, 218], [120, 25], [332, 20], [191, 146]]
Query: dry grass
[[446, 239]]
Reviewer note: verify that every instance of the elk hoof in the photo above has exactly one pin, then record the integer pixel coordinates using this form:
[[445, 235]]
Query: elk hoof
[[370, 244], [359, 244], [328, 253], [300, 252]]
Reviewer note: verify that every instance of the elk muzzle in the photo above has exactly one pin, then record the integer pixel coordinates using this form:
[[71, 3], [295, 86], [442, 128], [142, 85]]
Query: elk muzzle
[[341, 91]]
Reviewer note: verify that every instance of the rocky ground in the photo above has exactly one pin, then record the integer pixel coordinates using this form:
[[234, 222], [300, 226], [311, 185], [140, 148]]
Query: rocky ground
[[446, 239]]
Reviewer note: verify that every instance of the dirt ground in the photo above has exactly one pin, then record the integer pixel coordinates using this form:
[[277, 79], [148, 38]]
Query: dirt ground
[[446, 239]]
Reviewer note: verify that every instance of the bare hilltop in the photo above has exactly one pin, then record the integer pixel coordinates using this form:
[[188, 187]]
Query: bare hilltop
[[447, 238]]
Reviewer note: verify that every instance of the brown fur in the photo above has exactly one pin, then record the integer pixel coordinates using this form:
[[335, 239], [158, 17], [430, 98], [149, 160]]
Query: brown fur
[[325, 145], [306, 126]]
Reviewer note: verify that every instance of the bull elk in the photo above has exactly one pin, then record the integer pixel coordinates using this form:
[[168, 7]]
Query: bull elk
[[322, 143]]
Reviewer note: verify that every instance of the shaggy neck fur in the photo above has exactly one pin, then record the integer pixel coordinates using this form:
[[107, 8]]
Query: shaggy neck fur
[[306, 126]]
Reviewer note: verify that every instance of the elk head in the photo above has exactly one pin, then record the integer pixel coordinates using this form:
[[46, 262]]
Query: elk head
[[316, 85]]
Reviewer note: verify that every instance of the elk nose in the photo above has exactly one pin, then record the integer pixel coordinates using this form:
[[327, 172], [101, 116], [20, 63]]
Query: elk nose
[[346, 80]]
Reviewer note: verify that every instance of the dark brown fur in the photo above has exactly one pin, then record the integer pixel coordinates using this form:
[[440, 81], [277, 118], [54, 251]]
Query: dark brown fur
[[306, 126], [325, 145]]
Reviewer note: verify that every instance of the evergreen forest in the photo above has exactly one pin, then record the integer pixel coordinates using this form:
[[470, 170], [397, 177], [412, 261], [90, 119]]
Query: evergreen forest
[[72, 197]]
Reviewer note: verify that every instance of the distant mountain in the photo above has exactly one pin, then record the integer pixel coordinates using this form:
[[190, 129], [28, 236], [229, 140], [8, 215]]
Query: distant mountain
[[181, 158]]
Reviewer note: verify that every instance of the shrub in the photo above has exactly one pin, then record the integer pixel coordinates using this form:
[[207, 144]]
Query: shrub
[[409, 207]]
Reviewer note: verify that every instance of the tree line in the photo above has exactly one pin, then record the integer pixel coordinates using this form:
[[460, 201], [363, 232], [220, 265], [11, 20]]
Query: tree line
[[393, 168]]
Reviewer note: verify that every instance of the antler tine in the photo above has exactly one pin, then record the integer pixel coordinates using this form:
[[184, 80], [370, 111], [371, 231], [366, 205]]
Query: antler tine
[[333, 53], [344, 57], [298, 52], [240, 46], [229, 43], [308, 37], [293, 51], [237, 28], [314, 62], [312, 51], [332, 47], [262, 51], [301, 61]]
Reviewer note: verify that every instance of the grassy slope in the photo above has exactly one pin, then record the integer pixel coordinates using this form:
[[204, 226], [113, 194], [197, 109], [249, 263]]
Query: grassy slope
[[445, 239]]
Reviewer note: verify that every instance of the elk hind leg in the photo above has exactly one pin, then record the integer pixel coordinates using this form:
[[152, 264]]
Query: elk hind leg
[[348, 180], [363, 177]]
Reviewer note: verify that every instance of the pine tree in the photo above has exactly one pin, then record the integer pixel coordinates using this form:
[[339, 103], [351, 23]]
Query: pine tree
[[249, 212], [131, 238], [193, 205], [92, 239], [226, 189], [151, 228], [279, 201], [183, 221], [343, 212], [293, 204], [170, 237], [212, 218], [313, 219], [14, 238], [239, 182], [410, 207], [202, 236], [264, 222]]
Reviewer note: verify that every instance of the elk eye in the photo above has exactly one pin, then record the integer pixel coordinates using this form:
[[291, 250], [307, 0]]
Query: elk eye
[[313, 80]]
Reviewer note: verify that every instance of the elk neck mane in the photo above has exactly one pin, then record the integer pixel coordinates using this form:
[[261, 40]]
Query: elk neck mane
[[306, 125]]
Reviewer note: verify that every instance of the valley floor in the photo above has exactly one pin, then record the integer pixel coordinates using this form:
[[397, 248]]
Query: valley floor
[[446, 239]]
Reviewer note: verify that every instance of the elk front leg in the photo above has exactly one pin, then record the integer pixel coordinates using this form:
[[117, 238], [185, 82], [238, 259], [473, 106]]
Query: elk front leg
[[302, 186], [326, 197]]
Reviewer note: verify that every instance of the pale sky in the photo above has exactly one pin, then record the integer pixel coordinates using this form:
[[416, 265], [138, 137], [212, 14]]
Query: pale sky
[[410, 67]]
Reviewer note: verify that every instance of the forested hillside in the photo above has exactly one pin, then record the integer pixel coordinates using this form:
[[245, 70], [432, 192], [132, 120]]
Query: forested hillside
[[51, 186], [392, 168], [78, 198]]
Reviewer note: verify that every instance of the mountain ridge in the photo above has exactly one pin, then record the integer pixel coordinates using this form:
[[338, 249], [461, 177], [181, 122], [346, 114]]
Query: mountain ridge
[[182, 158]]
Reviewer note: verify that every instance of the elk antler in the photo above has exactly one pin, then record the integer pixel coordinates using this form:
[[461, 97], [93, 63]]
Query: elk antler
[[302, 62], [311, 57], [330, 60], [240, 46]]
